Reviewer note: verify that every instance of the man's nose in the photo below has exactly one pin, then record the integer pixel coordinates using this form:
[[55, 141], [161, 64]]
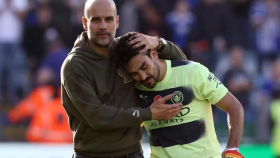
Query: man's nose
[[142, 76], [103, 25]]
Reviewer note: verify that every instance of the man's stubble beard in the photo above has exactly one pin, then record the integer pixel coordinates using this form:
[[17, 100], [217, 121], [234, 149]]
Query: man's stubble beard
[[94, 40], [156, 77], [157, 72]]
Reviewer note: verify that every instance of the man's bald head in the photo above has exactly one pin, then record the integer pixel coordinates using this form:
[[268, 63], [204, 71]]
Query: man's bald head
[[90, 4], [101, 22]]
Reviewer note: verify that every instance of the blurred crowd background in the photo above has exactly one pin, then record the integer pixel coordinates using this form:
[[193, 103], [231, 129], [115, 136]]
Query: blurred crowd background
[[238, 40]]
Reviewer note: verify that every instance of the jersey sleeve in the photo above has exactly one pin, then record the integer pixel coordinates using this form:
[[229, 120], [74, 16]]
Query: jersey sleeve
[[207, 85]]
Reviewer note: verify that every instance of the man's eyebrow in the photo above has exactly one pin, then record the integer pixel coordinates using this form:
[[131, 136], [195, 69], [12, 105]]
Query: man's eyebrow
[[142, 65], [110, 17], [94, 18]]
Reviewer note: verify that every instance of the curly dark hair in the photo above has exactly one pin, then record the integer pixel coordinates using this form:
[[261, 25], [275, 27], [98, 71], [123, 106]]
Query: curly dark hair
[[124, 52]]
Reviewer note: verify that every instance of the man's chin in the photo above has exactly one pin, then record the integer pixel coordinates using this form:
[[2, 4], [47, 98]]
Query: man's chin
[[103, 42], [149, 85]]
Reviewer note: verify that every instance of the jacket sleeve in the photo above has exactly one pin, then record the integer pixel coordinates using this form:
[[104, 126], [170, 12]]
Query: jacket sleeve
[[97, 115], [171, 52]]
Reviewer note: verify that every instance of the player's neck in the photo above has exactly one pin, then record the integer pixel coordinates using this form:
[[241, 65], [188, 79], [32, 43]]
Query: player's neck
[[163, 69], [98, 49]]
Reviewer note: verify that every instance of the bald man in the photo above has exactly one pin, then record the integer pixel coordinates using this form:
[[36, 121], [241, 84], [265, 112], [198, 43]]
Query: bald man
[[103, 110]]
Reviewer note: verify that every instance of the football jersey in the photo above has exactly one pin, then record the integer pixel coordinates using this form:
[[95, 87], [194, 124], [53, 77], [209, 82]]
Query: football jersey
[[191, 133]]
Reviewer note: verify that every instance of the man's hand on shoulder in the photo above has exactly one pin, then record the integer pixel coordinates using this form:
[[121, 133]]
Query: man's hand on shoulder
[[140, 39]]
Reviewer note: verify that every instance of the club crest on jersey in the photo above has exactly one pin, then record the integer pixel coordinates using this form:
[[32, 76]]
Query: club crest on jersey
[[177, 97]]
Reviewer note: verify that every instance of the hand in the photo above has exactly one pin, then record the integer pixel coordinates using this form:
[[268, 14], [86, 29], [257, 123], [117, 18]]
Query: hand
[[140, 39], [231, 154], [161, 111]]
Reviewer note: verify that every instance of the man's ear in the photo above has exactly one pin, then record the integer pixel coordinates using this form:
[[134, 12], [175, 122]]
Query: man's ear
[[84, 23], [117, 21], [154, 54]]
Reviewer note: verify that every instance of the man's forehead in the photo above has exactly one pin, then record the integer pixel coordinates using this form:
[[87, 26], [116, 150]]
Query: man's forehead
[[101, 13], [100, 8], [136, 62]]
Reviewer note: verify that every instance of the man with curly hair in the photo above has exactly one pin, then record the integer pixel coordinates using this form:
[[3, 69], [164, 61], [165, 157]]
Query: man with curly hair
[[191, 133]]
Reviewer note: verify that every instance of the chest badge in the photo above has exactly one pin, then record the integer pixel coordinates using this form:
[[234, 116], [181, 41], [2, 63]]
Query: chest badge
[[177, 97]]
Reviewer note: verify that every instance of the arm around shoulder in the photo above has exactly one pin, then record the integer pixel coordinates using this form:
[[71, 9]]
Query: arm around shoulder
[[80, 93], [171, 52]]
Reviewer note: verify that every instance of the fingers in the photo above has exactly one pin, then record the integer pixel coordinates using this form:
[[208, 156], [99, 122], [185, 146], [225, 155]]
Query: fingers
[[170, 110], [164, 99], [135, 39], [132, 37], [173, 113], [140, 40], [174, 106], [223, 154], [139, 44], [144, 50], [166, 112], [174, 109]]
